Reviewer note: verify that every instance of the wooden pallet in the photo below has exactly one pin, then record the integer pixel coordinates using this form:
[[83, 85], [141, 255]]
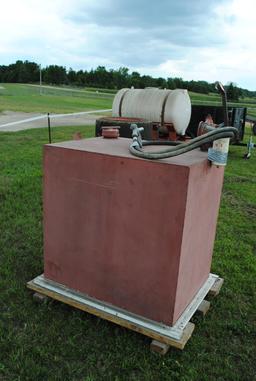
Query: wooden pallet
[[163, 336], [203, 308]]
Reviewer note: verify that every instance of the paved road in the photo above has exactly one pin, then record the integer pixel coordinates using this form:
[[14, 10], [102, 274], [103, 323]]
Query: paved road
[[69, 120]]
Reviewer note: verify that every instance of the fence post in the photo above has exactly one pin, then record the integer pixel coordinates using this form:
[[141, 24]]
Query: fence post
[[49, 128]]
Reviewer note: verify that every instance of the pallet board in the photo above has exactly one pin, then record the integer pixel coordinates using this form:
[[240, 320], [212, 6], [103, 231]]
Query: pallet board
[[203, 308], [175, 336], [215, 289]]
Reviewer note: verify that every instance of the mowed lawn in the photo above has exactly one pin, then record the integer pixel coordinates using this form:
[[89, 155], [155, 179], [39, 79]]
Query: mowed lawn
[[46, 342], [18, 97], [56, 99]]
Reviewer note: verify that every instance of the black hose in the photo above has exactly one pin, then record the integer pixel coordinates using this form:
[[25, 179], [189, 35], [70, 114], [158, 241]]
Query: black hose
[[179, 148]]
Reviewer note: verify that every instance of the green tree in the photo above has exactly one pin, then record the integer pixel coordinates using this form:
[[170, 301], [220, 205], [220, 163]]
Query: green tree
[[233, 92], [161, 82], [72, 76], [55, 74], [135, 80], [121, 77], [81, 78]]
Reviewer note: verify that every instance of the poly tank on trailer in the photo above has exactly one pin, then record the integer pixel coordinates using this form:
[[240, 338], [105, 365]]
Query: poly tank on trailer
[[156, 105]]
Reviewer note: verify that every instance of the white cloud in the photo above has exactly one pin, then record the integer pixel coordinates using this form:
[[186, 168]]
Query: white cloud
[[218, 43], [234, 60]]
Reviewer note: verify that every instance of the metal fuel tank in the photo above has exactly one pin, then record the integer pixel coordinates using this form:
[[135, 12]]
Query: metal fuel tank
[[135, 233]]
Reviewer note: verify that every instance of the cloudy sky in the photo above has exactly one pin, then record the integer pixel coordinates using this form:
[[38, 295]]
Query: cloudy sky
[[193, 39]]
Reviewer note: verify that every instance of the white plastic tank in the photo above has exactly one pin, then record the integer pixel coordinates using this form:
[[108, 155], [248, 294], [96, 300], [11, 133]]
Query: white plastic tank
[[156, 105]]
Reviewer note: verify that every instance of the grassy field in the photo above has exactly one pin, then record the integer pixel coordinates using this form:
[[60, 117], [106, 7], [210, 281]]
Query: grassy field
[[55, 342], [27, 98], [16, 97]]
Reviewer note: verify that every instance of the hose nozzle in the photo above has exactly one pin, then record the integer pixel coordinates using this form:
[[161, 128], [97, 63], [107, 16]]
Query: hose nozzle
[[136, 136]]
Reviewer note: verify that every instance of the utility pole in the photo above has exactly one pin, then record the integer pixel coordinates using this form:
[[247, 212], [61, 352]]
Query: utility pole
[[40, 74]]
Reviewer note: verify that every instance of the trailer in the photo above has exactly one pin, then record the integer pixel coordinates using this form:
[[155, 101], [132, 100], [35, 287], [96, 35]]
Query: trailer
[[169, 115]]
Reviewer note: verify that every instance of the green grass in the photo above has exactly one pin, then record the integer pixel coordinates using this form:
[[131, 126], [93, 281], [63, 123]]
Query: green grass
[[215, 100], [16, 97], [71, 90], [204, 97], [21, 97], [101, 90], [55, 342]]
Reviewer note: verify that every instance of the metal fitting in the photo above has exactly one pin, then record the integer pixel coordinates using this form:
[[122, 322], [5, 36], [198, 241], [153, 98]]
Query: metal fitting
[[136, 136]]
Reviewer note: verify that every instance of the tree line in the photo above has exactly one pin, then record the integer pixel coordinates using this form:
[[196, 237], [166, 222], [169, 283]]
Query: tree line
[[29, 72]]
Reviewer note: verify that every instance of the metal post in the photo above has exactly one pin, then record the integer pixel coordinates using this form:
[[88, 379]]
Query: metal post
[[221, 89], [40, 79], [49, 128]]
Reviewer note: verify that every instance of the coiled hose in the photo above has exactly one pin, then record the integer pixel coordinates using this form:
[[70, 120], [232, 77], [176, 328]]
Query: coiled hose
[[177, 148]]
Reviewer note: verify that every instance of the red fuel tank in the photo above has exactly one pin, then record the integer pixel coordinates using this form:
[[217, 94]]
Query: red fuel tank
[[135, 233]]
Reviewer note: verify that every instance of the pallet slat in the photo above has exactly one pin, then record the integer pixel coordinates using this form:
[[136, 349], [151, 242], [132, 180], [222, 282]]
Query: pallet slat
[[162, 348], [204, 307], [215, 289], [40, 298]]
